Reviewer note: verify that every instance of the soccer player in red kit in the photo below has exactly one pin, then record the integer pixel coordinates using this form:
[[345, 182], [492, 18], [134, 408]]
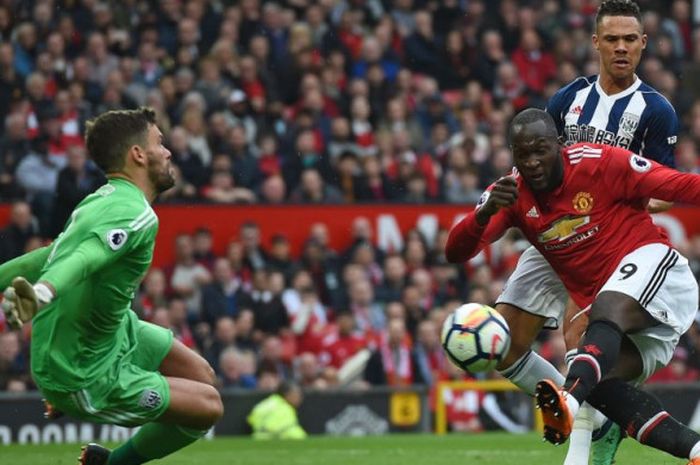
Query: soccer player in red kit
[[584, 208]]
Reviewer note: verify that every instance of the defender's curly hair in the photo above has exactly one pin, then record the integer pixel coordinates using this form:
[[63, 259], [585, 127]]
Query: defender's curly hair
[[618, 8]]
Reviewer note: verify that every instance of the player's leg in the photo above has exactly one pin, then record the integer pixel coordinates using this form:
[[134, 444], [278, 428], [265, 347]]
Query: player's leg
[[193, 409], [173, 412], [182, 362], [193, 404], [523, 366], [644, 417], [592, 434], [533, 298], [575, 323], [613, 314], [653, 287]]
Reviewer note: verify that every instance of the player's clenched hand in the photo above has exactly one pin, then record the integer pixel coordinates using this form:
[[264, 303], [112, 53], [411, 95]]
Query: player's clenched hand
[[20, 303], [503, 194]]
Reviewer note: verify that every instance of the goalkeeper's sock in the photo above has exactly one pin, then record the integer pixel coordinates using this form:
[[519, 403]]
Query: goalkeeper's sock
[[529, 369], [154, 441], [126, 455]]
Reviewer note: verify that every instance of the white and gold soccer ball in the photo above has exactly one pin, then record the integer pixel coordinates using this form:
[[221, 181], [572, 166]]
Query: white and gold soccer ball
[[475, 337]]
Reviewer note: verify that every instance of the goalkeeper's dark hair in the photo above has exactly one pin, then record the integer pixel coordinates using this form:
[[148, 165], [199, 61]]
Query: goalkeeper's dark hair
[[533, 115], [618, 8], [109, 136]]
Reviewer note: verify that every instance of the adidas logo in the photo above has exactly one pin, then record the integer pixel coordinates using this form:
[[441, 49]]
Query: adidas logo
[[577, 110], [533, 213]]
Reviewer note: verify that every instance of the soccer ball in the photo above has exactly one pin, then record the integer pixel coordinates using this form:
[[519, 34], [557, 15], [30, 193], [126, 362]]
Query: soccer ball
[[475, 337]]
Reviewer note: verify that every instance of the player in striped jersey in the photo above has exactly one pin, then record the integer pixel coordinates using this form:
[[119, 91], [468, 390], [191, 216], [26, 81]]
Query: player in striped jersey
[[92, 357], [635, 117], [614, 108]]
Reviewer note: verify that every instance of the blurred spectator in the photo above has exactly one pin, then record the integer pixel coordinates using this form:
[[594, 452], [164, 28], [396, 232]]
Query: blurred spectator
[[151, 295], [509, 86], [254, 257], [78, 179], [308, 372], [458, 61], [22, 227], [307, 314], [14, 145], [422, 49], [535, 65], [392, 363], [177, 317], [313, 189], [394, 279], [223, 336], [280, 256], [222, 189], [187, 276], [273, 190], [245, 330], [430, 359], [191, 165], [37, 175], [237, 368], [344, 341], [491, 56], [13, 364], [368, 313], [203, 244], [374, 184], [221, 297], [306, 156], [237, 114], [270, 314], [398, 118], [270, 359]]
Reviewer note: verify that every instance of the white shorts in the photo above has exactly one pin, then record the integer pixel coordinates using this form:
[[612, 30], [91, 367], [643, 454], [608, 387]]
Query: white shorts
[[535, 288], [659, 278]]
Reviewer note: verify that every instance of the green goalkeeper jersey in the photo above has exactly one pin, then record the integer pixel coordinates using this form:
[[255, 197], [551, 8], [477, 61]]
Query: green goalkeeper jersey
[[95, 266]]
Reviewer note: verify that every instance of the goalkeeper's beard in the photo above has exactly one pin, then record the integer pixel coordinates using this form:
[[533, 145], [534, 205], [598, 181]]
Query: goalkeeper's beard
[[162, 178]]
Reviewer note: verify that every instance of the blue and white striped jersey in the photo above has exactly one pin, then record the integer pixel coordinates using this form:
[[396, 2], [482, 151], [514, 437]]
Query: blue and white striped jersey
[[639, 118]]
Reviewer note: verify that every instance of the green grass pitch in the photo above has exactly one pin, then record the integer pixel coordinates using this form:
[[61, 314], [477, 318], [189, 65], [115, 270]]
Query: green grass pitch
[[453, 449]]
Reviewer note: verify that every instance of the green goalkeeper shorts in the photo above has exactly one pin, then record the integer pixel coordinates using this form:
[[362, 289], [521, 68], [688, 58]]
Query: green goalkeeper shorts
[[135, 395]]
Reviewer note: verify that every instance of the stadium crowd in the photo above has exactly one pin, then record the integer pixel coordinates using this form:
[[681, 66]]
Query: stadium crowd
[[307, 102]]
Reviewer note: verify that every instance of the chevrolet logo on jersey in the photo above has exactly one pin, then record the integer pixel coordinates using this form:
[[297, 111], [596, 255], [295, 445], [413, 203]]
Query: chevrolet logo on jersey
[[563, 228]]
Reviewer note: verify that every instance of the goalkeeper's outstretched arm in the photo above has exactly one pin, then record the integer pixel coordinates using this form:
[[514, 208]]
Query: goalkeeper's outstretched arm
[[28, 265], [54, 275], [68, 270]]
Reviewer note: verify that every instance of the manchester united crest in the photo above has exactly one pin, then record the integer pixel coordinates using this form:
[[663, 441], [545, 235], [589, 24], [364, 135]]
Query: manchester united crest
[[583, 202]]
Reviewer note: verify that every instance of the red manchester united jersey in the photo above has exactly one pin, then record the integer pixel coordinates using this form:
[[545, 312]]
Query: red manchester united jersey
[[591, 221]]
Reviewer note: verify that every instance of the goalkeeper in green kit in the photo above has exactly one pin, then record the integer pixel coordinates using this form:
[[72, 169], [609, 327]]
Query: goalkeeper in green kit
[[90, 355]]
